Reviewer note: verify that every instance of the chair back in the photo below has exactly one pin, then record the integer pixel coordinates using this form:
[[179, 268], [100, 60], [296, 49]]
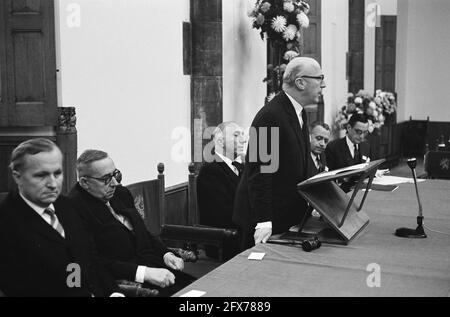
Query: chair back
[[437, 164], [149, 200], [193, 213]]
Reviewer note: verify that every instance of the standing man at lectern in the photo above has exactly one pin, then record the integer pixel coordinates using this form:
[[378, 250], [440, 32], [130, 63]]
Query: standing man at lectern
[[267, 201]]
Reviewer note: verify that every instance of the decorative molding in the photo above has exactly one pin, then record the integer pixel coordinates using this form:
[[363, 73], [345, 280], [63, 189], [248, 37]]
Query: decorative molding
[[67, 120]]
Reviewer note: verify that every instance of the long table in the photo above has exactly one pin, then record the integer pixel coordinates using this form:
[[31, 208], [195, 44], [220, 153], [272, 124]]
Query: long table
[[376, 263]]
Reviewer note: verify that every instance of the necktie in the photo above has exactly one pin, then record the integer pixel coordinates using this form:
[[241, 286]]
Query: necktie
[[319, 164], [54, 222], [238, 166], [356, 156], [120, 218]]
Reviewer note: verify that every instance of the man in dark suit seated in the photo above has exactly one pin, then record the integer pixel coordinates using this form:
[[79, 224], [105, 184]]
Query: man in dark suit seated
[[44, 248], [352, 149], [319, 133], [267, 201], [131, 252], [217, 182]]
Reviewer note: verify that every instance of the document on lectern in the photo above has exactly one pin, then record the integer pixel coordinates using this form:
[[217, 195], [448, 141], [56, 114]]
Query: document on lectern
[[340, 170]]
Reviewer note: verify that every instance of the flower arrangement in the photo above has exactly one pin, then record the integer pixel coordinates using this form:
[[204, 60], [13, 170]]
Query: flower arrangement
[[376, 107], [280, 20], [281, 23]]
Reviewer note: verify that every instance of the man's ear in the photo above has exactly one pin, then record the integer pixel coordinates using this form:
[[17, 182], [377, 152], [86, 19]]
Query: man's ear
[[83, 182], [16, 176], [300, 83]]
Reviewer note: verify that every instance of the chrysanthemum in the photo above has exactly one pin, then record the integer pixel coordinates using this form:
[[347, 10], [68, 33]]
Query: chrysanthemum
[[290, 32], [279, 23], [303, 20], [288, 6], [358, 100], [270, 97]]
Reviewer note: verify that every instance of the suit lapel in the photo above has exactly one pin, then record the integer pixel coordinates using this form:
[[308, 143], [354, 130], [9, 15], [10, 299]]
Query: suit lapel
[[302, 136], [36, 223]]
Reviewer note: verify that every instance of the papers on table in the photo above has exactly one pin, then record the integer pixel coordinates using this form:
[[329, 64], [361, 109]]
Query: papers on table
[[194, 293], [394, 180], [256, 256]]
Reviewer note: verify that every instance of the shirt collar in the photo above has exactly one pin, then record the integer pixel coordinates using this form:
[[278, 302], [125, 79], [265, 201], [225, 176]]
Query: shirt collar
[[227, 161], [38, 209], [350, 145], [298, 107]]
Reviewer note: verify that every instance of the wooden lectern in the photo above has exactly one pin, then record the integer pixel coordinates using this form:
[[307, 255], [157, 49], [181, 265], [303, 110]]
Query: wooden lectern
[[342, 219]]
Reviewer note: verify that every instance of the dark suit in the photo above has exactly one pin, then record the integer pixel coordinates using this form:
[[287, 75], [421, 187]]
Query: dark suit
[[263, 197], [122, 250], [312, 169], [338, 154], [34, 258], [216, 189]]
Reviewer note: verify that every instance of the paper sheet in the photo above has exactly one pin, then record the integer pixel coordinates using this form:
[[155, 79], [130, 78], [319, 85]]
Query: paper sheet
[[394, 180], [256, 256], [341, 170], [193, 293]]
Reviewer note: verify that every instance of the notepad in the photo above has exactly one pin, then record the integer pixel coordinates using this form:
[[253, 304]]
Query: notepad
[[256, 256], [194, 293]]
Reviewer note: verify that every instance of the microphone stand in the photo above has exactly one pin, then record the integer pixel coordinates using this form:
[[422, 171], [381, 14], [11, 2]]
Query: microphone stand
[[418, 232]]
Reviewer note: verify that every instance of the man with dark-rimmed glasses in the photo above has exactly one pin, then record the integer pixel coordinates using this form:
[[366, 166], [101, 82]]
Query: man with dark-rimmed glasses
[[129, 250]]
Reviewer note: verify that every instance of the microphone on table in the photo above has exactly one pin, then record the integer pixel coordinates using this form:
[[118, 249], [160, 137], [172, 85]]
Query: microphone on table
[[418, 232], [308, 245]]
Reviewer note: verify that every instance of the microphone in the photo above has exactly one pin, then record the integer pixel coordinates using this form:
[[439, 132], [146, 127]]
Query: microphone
[[418, 232]]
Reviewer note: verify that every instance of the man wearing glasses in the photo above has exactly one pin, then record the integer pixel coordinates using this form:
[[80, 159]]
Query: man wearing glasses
[[352, 149], [129, 250], [267, 201]]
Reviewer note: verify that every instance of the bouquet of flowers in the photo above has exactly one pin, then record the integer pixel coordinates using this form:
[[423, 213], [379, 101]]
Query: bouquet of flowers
[[377, 108], [280, 22]]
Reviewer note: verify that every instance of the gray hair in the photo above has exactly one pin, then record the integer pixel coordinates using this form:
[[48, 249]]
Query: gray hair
[[319, 123], [87, 157], [295, 67], [30, 147]]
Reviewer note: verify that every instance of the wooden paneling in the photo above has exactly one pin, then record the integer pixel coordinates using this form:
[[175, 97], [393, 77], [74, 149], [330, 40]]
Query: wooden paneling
[[27, 63], [206, 81], [355, 57], [385, 51], [312, 36], [176, 200]]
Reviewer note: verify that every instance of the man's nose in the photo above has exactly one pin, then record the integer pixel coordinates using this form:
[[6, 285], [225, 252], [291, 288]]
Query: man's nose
[[51, 182], [114, 182], [323, 84]]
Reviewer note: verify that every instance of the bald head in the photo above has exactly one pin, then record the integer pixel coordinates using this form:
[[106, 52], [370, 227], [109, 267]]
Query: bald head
[[303, 80]]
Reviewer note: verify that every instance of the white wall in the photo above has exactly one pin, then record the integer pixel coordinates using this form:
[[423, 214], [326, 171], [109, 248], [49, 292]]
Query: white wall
[[386, 7], [244, 63], [334, 49], [423, 45], [122, 70]]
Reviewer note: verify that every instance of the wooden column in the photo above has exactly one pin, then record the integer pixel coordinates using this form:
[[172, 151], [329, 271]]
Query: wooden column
[[355, 58], [66, 138], [206, 66]]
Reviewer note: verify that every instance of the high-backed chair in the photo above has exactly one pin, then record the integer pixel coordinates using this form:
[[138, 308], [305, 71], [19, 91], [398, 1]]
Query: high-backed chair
[[437, 164], [173, 215], [195, 234]]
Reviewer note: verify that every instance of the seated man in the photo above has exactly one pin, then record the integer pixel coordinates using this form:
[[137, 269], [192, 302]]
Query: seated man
[[130, 251], [44, 248], [319, 134], [350, 150], [217, 182]]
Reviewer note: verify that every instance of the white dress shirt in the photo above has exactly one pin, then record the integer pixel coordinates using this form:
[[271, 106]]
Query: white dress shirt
[[298, 109], [229, 163], [39, 210], [351, 146]]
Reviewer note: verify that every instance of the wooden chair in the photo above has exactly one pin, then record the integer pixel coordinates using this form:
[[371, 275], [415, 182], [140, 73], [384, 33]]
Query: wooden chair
[[192, 232], [437, 164]]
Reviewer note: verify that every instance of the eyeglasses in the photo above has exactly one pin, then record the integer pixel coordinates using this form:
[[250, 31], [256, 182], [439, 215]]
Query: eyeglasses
[[321, 77], [361, 132], [107, 179]]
